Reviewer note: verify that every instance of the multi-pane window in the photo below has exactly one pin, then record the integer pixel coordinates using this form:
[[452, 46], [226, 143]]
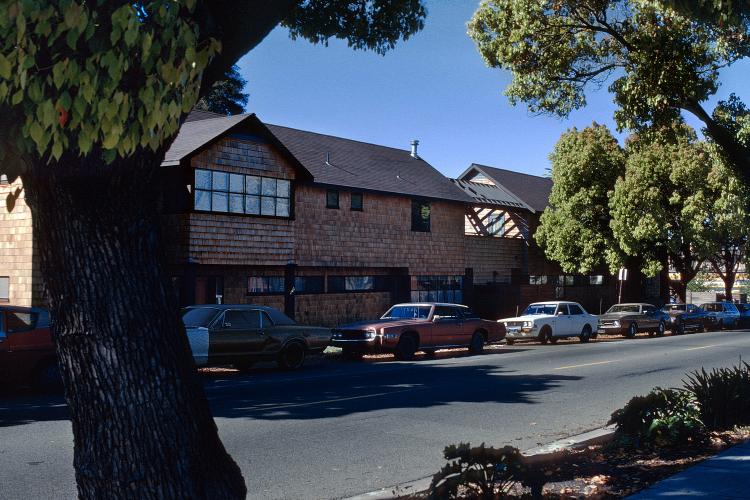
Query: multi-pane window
[[338, 284], [357, 201], [438, 289], [332, 198], [538, 280], [4, 288], [260, 285], [420, 216], [309, 284], [241, 194], [596, 280]]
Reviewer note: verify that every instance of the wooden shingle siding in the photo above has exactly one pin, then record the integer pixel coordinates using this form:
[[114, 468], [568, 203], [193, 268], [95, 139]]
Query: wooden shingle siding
[[334, 309], [17, 258], [488, 256], [378, 236]]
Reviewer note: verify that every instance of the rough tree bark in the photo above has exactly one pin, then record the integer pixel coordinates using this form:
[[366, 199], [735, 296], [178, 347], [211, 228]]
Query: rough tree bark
[[141, 422]]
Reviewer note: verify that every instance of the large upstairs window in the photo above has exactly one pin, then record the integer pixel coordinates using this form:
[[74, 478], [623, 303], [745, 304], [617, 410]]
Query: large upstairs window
[[226, 192], [420, 216]]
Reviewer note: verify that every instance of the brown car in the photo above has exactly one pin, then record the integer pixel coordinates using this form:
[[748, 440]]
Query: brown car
[[27, 353], [408, 328], [629, 319]]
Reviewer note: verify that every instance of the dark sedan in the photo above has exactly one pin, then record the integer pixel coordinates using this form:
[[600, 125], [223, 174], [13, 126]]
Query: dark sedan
[[241, 335], [688, 317], [629, 319]]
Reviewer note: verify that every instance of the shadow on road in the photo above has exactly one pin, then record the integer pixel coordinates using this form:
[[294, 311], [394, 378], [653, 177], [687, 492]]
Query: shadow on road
[[411, 386], [19, 410]]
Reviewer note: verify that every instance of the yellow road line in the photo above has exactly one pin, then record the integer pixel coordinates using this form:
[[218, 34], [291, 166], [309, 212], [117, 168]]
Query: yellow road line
[[701, 347], [585, 364]]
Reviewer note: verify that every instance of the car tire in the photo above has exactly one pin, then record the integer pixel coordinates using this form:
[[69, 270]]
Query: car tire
[[406, 348], [661, 329], [720, 325], [585, 334], [477, 343], [680, 328], [545, 335], [510, 341], [48, 378], [292, 357], [632, 330]]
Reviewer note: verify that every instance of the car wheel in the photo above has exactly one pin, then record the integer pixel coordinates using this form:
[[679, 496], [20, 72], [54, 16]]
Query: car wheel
[[680, 328], [292, 357], [510, 341], [48, 378], [720, 326], [660, 329], [477, 343], [585, 334], [545, 335], [632, 330], [406, 348]]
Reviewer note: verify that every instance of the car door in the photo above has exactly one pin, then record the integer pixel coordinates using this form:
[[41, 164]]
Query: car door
[[578, 319], [563, 322], [237, 334], [447, 326], [649, 317]]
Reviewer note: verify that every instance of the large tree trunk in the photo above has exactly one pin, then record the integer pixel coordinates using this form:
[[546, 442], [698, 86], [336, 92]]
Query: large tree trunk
[[141, 423]]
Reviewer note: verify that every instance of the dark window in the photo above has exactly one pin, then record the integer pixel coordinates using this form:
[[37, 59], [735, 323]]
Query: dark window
[[198, 316], [537, 280], [260, 285], [4, 288], [469, 314], [265, 320], [562, 308], [438, 289], [242, 320], [309, 284], [332, 198], [19, 322], [338, 284], [241, 194], [357, 201], [420, 216], [596, 280], [446, 312], [574, 309]]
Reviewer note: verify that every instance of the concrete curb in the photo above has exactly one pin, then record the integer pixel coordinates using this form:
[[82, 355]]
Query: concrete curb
[[540, 454]]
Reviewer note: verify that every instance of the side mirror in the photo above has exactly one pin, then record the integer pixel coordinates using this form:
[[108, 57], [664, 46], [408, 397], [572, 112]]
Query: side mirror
[[560, 313]]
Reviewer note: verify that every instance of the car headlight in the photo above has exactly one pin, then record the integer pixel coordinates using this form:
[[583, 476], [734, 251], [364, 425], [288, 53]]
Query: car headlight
[[370, 334], [337, 335], [616, 322], [528, 324]]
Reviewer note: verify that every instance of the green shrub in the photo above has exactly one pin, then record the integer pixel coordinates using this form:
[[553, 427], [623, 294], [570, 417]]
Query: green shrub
[[664, 417], [723, 396], [483, 472]]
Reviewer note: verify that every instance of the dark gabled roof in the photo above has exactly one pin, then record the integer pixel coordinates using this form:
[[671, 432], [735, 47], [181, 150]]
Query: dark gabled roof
[[199, 114], [195, 134], [487, 194], [533, 190], [353, 164]]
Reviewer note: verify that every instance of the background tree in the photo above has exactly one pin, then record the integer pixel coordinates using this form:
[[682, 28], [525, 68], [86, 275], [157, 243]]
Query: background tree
[[716, 12], [91, 95], [658, 62], [660, 207], [574, 230], [226, 97]]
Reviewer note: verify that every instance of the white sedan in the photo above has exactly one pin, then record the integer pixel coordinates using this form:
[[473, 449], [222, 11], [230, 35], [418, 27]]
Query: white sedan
[[549, 321]]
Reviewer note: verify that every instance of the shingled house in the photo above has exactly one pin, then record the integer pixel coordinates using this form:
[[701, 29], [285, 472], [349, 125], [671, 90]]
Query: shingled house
[[325, 228]]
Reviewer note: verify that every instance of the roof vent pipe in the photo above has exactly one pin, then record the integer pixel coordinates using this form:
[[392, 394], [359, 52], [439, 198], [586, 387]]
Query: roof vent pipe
[[414, 145]]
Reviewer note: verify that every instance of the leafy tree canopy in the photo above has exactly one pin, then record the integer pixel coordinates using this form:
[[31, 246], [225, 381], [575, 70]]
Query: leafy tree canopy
[[226, 96], [658, 62], [718, 12], [574, 230]]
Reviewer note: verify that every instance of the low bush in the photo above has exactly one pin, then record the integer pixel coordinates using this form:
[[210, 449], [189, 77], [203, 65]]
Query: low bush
[[483, 472], [664, 417], [723, 396]]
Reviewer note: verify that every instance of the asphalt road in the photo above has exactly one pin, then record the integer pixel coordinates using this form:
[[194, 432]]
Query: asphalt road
[[341, 428]]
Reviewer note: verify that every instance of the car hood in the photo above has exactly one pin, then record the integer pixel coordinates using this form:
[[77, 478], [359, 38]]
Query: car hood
[[529, 317], [381, 323]]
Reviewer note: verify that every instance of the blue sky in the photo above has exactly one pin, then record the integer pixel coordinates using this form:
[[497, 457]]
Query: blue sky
[[435, 87]]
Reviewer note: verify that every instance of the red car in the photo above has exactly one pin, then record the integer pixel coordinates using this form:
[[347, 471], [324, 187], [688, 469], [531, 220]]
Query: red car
[[407, 328], [27, 352]]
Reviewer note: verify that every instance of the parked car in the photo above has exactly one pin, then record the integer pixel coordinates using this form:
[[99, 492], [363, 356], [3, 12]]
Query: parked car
[[408, 328], [688, 317], [27, 351], [726, 314], [629, 319], [241, 335], [549, 321], [744, 310]]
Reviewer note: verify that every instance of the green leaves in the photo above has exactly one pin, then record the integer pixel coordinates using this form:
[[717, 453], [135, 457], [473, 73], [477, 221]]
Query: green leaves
[[77, 71]]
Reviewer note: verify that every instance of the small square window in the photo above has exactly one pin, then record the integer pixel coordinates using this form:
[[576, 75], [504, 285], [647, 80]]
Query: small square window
[[357, 201], [267, 206], [236, 183], [420, 216], [202, 179], [203, 200], [332, 198], [235, 203], [220, 181], [282, 207], [219, 202], [282, 188], [252, 205], [252, 184], [269, 186]]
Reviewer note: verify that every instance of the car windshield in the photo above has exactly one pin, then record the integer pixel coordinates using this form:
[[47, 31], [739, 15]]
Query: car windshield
[[535, 309], [675, 307], [408, 312], [198, 316], [624, 308]]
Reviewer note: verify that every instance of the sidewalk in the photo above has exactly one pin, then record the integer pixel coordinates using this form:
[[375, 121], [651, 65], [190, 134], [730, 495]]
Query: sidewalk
[[724, 476]]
